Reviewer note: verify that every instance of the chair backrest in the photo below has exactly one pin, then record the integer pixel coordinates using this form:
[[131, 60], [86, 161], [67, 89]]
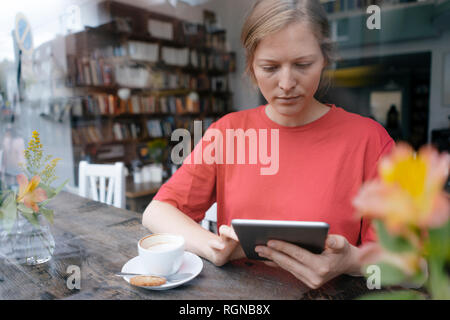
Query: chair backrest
[[113, 193]]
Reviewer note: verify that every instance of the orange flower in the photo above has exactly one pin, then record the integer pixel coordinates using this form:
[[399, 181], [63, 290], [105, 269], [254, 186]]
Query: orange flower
[[29, 193], [408, 262], [409, 191]]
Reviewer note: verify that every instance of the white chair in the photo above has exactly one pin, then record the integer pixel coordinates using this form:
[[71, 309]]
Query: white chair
[[209, 222], [88, 174]]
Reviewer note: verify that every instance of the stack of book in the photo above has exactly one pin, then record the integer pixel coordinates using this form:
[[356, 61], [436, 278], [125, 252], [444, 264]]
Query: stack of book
[[89, 71], [126, 131], [96, 104], [87, 134]]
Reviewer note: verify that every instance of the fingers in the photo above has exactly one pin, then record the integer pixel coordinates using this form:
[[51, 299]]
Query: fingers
[[336, 242], [221, 249], [228, 232], [300, 271], [301, 255]]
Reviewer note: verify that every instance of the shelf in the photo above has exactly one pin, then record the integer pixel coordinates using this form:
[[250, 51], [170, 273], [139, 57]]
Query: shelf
[[144, 115], [162, 66], [108, 29], [158, 92], [124, 141]]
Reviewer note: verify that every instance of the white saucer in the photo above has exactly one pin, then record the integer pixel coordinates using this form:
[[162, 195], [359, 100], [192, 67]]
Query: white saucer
[[191, 264]]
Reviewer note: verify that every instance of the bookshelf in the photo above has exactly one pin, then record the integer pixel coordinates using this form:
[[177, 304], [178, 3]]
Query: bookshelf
[[140, 75]]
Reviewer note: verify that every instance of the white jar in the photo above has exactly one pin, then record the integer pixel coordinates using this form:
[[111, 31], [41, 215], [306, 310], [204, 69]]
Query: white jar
[[156, 172], [137, 175], [146, 174]]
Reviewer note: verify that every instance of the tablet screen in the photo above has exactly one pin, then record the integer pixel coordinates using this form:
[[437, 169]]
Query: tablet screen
[[306, 234]]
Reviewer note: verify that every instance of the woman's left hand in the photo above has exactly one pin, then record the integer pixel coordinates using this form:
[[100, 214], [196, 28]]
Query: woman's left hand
[[312, 269]]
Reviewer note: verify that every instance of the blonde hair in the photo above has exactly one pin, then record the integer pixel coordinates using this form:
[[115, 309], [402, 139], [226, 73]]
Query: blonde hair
[[269, 16]]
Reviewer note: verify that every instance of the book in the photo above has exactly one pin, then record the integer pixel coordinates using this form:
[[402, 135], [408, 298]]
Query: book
[[86, 72], [180, 107], [135, 104], [160, 29], [143, 51], [154, 128], [118, 135], [75, 137]]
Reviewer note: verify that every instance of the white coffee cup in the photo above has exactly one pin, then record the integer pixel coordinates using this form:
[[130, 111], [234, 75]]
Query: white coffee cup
[[161, 253]]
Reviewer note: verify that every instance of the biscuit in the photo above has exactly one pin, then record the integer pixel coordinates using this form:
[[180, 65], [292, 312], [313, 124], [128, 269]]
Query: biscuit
[[147, 281]]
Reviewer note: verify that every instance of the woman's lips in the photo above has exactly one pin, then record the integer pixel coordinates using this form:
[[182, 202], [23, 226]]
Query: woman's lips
[[288, 99]]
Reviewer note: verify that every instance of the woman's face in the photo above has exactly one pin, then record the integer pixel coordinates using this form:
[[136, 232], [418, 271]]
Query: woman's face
[[287, 66]]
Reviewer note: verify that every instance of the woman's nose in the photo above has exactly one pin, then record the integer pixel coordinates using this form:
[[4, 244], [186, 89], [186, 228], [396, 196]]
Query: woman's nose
[[287, 80]]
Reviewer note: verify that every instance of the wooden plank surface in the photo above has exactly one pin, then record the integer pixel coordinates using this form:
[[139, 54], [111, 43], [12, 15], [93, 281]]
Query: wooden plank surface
[[100, 239]]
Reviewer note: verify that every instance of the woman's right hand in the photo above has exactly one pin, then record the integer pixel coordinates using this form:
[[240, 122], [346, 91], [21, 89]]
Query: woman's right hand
[[226, 247]]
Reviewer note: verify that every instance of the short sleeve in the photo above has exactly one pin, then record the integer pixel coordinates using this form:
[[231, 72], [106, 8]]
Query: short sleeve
[[192, 188], [368, 233]]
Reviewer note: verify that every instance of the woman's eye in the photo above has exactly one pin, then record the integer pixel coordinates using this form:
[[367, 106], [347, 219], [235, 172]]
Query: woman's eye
[[302, 65], [269, 68]]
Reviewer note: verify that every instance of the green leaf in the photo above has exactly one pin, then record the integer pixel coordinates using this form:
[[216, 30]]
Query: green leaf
[[24, 208], [47, 213], [58, 190], [9, 211], [8, 198], [438, 244], [396, 295], [5, 196], [390, 275], [391, 242], [32, 218], [52, 192], [439, 282], [419, 278]]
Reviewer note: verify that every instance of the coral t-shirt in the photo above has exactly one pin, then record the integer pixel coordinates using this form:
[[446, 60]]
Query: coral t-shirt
[[319, 170]]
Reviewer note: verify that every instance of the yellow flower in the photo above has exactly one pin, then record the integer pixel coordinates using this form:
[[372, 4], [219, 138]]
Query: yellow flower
[[409, 191], [29, 193]]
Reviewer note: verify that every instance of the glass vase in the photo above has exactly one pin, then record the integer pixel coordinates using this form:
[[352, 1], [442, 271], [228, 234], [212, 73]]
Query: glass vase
[[27, 243]]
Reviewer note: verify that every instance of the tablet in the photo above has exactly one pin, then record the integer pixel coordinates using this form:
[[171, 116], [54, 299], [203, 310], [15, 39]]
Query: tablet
[[305, 234]]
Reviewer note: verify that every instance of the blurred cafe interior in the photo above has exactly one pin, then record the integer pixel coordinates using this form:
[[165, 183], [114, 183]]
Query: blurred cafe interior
[[106, 82]]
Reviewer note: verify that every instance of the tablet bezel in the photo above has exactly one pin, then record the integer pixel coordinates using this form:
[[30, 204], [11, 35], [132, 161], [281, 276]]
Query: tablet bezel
[[310, 235]]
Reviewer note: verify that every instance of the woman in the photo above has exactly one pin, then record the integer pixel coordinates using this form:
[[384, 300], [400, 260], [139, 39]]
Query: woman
[[324, 155]]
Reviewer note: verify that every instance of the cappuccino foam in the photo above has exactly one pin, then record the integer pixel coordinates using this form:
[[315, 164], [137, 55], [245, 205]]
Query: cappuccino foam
[[161, 246]]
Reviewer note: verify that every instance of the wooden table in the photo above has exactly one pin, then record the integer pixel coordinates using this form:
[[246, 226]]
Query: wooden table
[[100, 239]]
